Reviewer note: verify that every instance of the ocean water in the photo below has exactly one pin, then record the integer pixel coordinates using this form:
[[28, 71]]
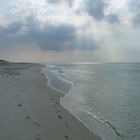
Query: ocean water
[[105, 97]]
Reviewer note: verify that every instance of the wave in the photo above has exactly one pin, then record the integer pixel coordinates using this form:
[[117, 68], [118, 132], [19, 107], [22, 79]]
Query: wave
[[105, 122], [56, 82]]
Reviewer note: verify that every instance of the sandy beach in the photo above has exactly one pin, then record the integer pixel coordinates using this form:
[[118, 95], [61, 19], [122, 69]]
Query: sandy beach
[[30, 110]]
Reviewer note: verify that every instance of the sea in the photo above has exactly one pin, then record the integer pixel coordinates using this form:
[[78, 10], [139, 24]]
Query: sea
[[103, 96]]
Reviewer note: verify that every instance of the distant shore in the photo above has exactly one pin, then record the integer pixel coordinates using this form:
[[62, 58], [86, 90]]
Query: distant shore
[[30, 110]]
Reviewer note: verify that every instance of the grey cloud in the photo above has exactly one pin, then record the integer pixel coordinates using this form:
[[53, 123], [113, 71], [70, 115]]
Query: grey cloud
[[88, 44], [53, 1], [95, 8], [59, 38], [59, 1], [136, 20], [134, 7], [113, 18], [50, 37], [11, 29], [7, 35]]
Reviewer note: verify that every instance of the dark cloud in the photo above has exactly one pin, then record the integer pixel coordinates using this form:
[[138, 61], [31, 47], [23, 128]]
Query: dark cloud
[[58, 38], [134, 7], [95, 8], [7, 35], [136, 20], [49, 37], [113, 18], [52, 37], [11, 29]]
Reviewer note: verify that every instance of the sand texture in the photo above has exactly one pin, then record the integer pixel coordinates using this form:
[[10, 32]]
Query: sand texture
[[30, 110]]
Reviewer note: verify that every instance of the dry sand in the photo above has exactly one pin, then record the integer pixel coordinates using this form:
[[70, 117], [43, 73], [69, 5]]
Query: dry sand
[[30, 110]]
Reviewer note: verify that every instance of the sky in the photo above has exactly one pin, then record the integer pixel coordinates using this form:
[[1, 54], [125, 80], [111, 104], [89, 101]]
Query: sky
[[70, 30]]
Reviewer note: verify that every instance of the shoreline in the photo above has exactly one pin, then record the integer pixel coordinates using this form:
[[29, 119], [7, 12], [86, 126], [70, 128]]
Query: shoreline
[[62, 94], [30, 110], [51, 77]]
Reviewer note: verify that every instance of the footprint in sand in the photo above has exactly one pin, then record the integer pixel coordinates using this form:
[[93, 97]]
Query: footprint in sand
[[36, 124], [37, 137], [28, 117], [38, 134], [66, 136], [56, 102], [19, 105], [60, 117], [52, 99], [66, 124], [57, 111]]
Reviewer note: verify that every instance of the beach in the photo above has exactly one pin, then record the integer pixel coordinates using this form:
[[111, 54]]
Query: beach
[[31, 110]]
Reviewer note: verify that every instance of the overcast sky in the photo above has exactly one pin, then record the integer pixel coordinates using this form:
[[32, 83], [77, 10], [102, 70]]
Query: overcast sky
[[70, 30]]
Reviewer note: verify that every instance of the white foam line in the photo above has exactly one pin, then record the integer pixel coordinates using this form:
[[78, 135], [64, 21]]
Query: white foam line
[[49, 84], [105, 122], [48, 81]]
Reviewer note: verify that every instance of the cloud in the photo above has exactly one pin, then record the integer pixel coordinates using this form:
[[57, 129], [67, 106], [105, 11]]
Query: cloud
[[70, 2], [136, 20], [134, 7], [50, 37], [49, 34], [98, 9], [112, 18], [67, 26], [11, 28], [95, 8], [8, 35]]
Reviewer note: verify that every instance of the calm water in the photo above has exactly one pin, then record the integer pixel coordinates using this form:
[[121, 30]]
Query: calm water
[[105, 97]]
